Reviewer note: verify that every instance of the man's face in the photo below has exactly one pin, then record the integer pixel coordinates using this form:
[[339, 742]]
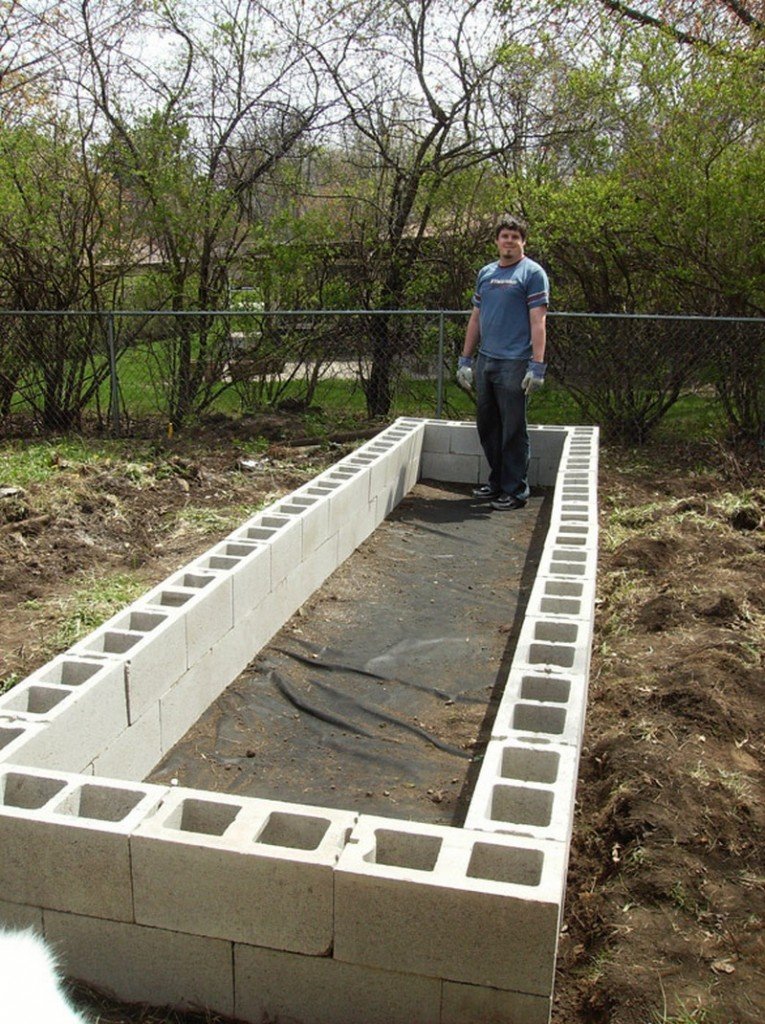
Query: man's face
[[510, 245]]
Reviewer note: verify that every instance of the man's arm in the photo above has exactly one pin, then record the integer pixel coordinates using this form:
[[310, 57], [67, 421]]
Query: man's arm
[[472, 333], [538, 321]]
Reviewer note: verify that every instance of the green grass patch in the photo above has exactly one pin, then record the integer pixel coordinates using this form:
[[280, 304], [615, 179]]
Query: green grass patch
[[23, 463], [95, 600], [201, 521]]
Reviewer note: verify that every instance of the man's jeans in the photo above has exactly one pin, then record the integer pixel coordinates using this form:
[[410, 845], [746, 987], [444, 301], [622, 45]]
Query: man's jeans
[[501, 422]]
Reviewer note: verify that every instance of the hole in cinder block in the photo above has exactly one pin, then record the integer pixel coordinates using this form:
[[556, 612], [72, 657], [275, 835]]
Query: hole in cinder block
[[534, 718], [144, 622], [522, 805], [277, 522], [566, 569], [7, 736], [101, 803], [116, 643], [70, 673], [556, 691], [36, 700], [571, 556], [240, 550], [559, 606], [405, 849], [173, 598], [204, 816], [260, 533], [322, 489], [28, 791], [556, 632], [559, 588], [195, 580], [222, 562], [551, 654], [296, 831], [530, 765], [570, 538], [508, 864]]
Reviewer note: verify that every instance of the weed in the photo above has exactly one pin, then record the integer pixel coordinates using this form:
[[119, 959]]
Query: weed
[[736, 783], [206, 521], [637, 857], [9, 681], [680, 897], [598, 964], [646, 731], [90, 605], [697, 1016]]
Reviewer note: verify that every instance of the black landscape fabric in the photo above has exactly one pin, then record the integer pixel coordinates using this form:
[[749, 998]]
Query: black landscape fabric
[[379, 695]]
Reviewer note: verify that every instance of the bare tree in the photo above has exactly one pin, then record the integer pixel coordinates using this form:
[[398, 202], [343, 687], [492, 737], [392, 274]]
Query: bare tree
[[194, 127], [423, 85]]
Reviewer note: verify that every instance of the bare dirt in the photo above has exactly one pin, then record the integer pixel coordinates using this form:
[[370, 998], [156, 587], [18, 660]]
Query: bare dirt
[[665, 910]]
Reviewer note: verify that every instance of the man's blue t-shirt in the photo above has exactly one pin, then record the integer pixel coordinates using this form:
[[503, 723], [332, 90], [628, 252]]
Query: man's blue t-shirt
[[504, 296]]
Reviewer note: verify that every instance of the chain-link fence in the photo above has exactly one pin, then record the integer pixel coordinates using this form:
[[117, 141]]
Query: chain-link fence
[[130, 372]]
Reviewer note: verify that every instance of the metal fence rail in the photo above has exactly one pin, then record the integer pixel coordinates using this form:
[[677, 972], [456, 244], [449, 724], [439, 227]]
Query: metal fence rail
[[129, 371]]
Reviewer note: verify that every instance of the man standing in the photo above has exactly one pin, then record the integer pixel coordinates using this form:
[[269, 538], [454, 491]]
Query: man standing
[[509, 321]]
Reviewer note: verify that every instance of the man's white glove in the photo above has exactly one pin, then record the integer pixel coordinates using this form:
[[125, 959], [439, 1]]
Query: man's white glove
[[535, 377], [465, 373]]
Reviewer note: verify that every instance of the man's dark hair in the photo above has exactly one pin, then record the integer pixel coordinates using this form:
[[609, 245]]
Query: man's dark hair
[[507, 222]]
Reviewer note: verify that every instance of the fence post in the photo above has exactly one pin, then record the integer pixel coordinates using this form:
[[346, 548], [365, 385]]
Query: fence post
[[114, 397], [440, 365]]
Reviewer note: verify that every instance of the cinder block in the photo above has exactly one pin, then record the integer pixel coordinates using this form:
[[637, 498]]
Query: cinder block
[[542, 703], [81, 705], [348, 497], [439, 435], [283, 536], [15, 733], [525, 789], [568, 562], [248, 563], [554, 644], [319, 566], [205, 600], [152, 646], [569, 599], [461, 469], [64, 840], [185, 701], [253, 871], [20, 917], [133, 753], [357, 528], [383, 475], [276, 986], [471, 1004], [313, 513], [450, 903], [192, 694], [144, 965]]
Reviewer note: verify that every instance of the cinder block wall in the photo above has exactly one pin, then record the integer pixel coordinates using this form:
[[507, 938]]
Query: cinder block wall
[[262, 909]]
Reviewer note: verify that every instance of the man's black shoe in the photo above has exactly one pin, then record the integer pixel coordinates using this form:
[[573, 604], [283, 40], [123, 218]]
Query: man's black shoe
[[506, 502], [486, 492]]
